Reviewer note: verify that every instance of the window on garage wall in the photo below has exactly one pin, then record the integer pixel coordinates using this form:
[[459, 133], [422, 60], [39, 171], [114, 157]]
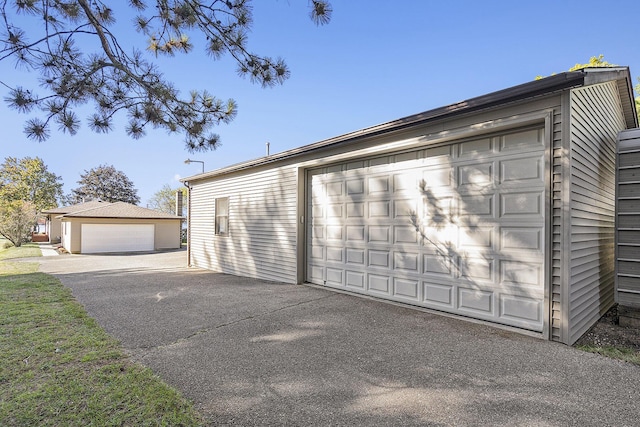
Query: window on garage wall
[[222, 216]]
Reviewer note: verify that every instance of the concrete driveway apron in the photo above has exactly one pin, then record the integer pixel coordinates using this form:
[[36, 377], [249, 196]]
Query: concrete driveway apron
[[251, 352]]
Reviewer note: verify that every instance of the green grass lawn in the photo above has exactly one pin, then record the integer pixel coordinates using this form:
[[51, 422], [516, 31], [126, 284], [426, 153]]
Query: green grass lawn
[[27, 250], [614, 352], [58, 367]]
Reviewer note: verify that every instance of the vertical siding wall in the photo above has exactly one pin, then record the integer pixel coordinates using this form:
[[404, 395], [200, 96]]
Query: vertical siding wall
[[596, 120], [558, 213], [628, 215], [262, 225]]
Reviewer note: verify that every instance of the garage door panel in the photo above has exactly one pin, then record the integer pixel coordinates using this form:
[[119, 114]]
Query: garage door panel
[[524, 140], [403, 234], [437, 178], [335, 254], [334, 233], [356, 233], [477, 238], [520, 170], [477, 269], [521, 239], [355, 186], [475, 301], [406, 289], [476, 148], [335, 276], [379, 209], [520, 310], [458, 228], [334, 188], [472, 205], [438, 295], [404, 208], [521, 205], [475, 177], [355, 279], [438, 210], [379, 258], [438, 155], [355, 210], [379, 284], [520, 273], [334, 210], [405, 182], [406, 262], [378, 185], [437, 264], [377, 234], [97, 238], [356, 256]]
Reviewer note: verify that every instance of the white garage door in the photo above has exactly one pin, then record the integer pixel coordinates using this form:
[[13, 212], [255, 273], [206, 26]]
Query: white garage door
[[457, 228], [117, 238]]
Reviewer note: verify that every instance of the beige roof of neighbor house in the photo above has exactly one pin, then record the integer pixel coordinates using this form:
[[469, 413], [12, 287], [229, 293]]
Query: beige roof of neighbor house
[[75, 208], [117, 210]]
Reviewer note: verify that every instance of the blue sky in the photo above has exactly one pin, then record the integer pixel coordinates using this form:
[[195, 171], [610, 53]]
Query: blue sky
[[375, 62]]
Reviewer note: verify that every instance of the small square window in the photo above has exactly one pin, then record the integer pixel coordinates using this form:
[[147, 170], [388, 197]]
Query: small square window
[[222, 216]]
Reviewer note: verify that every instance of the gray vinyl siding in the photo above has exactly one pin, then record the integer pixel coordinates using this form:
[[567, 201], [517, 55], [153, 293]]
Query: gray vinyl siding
[[628, 216], [261, 242], [596, 120]]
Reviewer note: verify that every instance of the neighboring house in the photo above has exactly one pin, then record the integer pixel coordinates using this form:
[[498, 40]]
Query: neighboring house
[[117, 227], [53, 227], [499, 208]]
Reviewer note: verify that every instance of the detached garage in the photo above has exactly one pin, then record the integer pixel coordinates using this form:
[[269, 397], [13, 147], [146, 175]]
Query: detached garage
[[500, 208], [119, 227]]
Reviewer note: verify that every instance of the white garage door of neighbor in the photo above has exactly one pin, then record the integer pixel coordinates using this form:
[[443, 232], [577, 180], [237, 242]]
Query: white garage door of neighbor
[[117, 238], [458, 228]]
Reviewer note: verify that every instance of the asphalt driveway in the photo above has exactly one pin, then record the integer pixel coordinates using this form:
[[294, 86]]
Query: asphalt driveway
[[250, 352]]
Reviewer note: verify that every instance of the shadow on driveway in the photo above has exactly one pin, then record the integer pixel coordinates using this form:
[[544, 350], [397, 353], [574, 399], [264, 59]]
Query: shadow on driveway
[[250, 352]]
